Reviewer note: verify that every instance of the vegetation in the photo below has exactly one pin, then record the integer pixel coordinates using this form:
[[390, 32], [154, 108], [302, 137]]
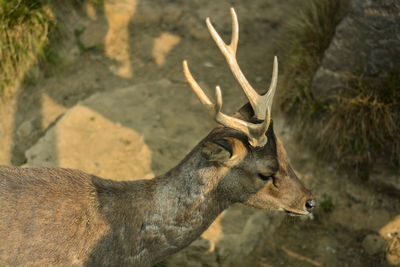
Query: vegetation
[[160, 264], [365, 124], [25, 25], [26, 29], [355, 129], [82, 47], [326, 204]]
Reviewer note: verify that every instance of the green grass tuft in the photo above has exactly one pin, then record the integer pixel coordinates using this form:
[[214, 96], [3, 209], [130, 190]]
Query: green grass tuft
[[82, 47], [160, 264], [358, 128], [326, 204]]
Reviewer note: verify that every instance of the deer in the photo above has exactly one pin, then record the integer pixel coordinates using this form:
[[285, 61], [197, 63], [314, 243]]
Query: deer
[[53, 216]]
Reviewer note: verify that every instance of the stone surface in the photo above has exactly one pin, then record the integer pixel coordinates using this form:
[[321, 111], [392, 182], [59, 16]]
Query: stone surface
[[233, 235], [366, 42], [127, 139], [391, 232], [70, 144], [374, 244], [393, 252], [390, 183]]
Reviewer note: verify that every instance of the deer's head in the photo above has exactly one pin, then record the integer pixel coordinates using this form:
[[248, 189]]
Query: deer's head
[[254, 163]]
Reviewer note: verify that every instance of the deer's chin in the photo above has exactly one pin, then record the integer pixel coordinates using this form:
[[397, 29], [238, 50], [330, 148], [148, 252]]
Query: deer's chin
[[295, 212]]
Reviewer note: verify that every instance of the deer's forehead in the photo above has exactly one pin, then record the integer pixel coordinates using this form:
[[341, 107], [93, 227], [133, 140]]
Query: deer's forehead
[[268, 151]]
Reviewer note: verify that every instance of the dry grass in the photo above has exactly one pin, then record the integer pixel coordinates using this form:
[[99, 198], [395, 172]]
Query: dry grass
[[365, 125], [304, 44], [24, 32], [29, 36], [360, 127]]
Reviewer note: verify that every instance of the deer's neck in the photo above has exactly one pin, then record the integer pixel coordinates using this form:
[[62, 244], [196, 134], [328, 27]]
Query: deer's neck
[[160, 216], [186, 201]]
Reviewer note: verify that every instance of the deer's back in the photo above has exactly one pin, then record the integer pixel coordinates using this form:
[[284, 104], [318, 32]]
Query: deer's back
[[49, 216]]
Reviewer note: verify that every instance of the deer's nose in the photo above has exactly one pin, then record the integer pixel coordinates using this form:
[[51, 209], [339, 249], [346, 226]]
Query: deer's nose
[[310, 204]]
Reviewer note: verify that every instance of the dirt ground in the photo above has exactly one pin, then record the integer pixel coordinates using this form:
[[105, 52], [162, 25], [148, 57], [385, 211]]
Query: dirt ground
[[131, 42]]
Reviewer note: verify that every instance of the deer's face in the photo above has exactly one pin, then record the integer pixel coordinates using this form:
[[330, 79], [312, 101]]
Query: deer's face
[[259, 176], [274, 180]]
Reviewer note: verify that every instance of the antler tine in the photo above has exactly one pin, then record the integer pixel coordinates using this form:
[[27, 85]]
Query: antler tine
[[197, 89], [259, 103], [255, 132], [229, 51], [269, 96], [235, 31]]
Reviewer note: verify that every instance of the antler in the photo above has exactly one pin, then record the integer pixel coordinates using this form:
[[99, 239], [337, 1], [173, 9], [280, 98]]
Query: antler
[[261, 104], [255, 132], [258, 102]]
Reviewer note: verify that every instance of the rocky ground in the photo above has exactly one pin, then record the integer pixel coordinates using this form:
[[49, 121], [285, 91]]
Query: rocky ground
[[118, 106]]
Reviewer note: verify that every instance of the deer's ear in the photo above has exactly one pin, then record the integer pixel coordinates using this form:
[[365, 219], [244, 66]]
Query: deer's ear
[[219, 150], [227, 151]]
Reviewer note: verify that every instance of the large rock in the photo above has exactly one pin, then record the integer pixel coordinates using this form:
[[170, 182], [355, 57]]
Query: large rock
[[124, 134], [386, 181], [84, 139], [366, 42], [391, 232], [374, 244]]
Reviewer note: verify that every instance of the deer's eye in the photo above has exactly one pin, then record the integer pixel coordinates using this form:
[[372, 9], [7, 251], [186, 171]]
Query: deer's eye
[[268, 178], [265, 177]]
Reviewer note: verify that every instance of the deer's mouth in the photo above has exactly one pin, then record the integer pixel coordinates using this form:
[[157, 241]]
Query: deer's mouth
[[295, 213]]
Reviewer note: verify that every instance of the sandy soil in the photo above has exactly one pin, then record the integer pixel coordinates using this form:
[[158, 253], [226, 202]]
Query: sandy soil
[[139, 41]]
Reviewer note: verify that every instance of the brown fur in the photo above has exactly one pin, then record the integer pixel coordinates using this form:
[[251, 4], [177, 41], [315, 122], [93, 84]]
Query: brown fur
[[63, 217]]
